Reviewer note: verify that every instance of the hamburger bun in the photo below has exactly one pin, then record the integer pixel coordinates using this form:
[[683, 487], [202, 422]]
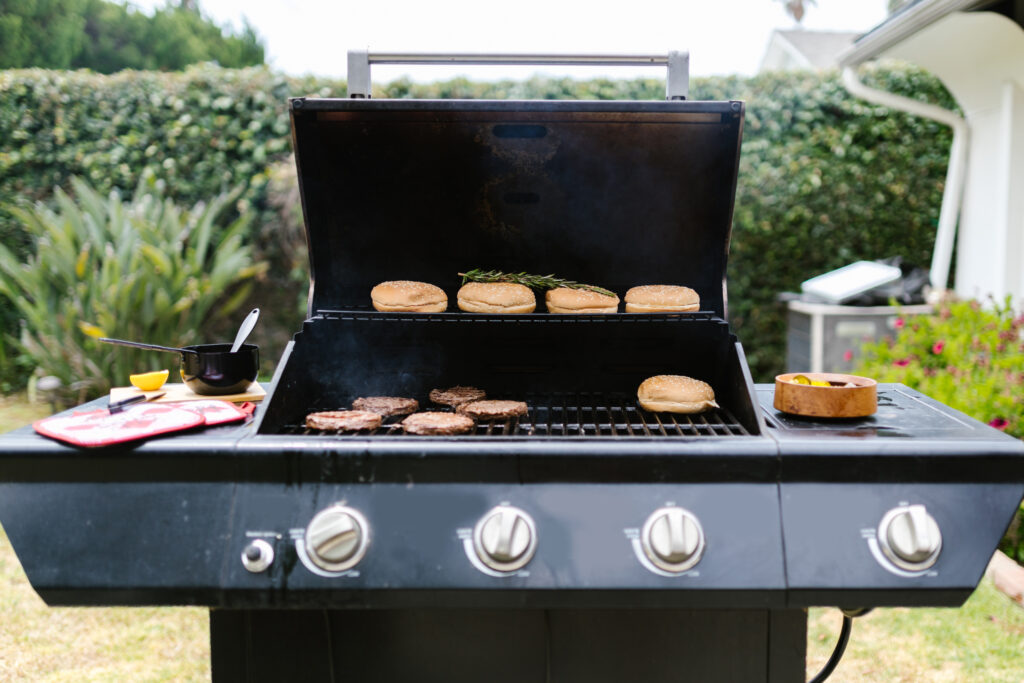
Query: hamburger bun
[[496, 297], [675, 394], [662, 299], [408, 296], [568, 300]]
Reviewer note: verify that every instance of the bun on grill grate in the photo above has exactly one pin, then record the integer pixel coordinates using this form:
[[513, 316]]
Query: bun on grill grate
[[675, 394], [569, 300], [496, 297], [662, 299], [402, 296]]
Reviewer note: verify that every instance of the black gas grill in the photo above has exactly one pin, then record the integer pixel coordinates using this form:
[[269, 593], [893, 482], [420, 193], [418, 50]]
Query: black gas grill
[[588, 540]]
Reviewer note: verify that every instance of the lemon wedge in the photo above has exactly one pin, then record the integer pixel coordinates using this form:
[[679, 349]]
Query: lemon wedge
[[149, 381]]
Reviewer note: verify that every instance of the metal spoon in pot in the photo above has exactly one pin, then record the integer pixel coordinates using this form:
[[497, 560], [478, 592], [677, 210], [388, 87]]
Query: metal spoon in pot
[[151, 347], [245, 329]]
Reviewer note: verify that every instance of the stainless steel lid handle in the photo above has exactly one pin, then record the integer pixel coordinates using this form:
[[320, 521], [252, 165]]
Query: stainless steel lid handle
[[677, 62]]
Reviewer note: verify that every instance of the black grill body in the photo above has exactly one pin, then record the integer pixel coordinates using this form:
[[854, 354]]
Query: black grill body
[[617, 194]]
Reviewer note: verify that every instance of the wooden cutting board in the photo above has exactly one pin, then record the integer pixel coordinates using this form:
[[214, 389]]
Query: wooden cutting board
[[175, 392]]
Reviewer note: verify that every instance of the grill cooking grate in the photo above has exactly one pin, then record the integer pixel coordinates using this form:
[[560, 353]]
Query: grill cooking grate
[[569, 415]]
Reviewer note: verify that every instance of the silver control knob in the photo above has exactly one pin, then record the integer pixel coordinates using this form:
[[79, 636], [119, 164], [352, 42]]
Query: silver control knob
[[257, 556], [336, 538], [505, 538], [673, 539], [910, 537]]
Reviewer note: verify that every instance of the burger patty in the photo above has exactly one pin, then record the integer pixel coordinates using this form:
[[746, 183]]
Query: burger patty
[[343, 420], [492, 410], [456, 396], [438, 424], [386, 406]]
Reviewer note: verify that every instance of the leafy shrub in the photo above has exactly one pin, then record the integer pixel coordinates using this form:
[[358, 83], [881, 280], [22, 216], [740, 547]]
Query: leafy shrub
[[144, 270], [1013, 542], [965, 355]]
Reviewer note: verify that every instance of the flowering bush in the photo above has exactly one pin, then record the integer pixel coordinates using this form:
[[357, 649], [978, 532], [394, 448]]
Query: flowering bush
[[965, 355]]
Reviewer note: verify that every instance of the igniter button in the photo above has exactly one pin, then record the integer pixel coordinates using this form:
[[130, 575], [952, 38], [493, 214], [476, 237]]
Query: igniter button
[[257, 556]]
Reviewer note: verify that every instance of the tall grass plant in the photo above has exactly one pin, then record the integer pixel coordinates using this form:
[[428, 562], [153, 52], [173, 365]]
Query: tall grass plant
[[144, 269]]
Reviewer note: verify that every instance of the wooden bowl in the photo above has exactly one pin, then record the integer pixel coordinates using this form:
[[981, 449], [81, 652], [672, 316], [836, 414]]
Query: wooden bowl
[[859, 400]]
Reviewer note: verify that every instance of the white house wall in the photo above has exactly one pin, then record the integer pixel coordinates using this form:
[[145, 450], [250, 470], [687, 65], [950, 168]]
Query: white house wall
[[979, 56]]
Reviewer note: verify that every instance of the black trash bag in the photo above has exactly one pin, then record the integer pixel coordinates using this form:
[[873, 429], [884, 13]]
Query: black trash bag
[[908, 290]]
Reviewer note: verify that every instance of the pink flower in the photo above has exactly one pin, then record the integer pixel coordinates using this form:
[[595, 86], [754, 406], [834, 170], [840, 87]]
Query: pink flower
[[901, 363], [899, 323], [938, 346], [998, 423], [848, 356]]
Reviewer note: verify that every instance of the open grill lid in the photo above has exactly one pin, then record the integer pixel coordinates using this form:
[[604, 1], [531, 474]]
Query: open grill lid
[[615, 194]]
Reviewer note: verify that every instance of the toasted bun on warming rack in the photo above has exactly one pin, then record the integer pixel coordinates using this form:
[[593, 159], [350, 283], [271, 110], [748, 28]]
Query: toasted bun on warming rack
[[569, 300], [409, 296], [496, 297], [662, 299], [675, 394]]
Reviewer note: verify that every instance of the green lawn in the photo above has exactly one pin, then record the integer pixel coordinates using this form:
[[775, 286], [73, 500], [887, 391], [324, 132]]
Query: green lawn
[[983, 642]]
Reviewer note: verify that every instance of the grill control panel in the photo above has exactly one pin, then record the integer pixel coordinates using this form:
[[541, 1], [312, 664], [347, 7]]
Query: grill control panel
[[485, 545]]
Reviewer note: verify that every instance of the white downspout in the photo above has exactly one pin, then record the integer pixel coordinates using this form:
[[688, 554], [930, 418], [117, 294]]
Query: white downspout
[[952, 193]]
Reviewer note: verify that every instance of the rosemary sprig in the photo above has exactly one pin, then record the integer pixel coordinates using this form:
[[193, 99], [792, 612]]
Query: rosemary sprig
[[531, 281]]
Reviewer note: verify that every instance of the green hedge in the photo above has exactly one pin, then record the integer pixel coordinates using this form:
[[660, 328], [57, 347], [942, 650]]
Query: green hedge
[[825, 179]]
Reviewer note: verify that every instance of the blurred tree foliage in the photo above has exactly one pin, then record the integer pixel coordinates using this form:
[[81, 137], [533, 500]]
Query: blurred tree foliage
[[108, 37]]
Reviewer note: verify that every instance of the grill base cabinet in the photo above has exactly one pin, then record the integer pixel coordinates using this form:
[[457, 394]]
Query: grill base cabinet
[[509, 646], [589, 540]]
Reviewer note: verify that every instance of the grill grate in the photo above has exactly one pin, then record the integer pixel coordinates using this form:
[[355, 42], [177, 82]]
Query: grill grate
[[577, 415]]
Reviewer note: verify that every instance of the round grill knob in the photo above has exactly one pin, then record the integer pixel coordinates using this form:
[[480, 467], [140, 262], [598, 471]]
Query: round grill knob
[[673, 539], [910, 537], [336, 538], [505, 538]]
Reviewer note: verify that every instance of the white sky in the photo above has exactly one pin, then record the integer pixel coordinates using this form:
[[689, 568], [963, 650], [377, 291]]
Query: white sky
[[723, 36]]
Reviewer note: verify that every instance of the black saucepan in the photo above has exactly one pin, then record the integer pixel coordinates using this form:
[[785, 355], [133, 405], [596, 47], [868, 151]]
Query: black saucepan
[[210, 369]]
